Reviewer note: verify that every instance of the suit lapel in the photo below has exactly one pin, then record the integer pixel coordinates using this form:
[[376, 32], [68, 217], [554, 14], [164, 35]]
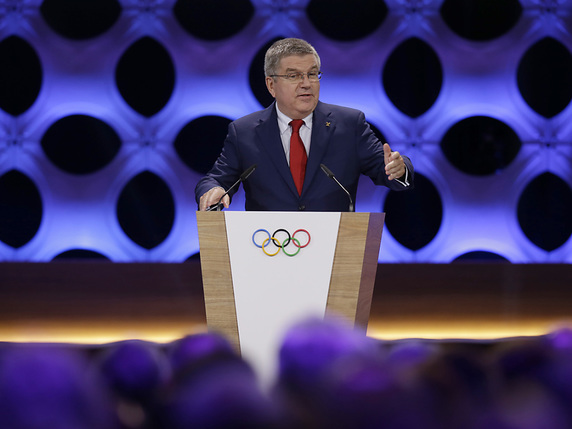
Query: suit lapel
[[323, 126], [270, 142]]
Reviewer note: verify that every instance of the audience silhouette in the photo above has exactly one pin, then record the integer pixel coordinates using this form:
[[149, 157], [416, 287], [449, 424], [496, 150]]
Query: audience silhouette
[[329, 376]]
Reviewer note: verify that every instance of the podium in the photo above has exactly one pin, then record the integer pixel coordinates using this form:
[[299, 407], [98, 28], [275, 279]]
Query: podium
[[264, 271]]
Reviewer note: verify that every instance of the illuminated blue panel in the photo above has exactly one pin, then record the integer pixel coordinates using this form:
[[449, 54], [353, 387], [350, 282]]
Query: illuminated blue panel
[[214, 76]]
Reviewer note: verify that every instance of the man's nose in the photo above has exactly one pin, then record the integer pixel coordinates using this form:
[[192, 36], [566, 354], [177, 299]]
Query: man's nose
[[305, 80]]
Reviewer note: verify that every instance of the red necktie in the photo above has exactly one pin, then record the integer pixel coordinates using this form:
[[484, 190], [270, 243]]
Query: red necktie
[[298, 155]]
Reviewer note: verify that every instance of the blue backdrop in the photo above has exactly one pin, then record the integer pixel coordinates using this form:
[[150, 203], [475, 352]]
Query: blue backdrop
[[110, 111]]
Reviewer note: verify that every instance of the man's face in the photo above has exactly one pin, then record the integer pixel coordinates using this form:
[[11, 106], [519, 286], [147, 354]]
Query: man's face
[[295, 99]]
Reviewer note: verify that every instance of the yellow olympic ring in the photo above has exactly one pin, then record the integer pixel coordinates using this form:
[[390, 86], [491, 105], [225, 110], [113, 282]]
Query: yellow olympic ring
[[275, 240]]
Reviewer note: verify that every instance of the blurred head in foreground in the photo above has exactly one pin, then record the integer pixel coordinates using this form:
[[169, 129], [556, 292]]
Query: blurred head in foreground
[[219, 392], [50, 387]]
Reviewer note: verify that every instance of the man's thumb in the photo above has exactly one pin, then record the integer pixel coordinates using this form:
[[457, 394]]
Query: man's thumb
[[386, 152]]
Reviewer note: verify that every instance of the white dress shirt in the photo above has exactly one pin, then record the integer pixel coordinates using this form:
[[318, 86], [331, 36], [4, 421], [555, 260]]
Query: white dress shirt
[[286, 132]]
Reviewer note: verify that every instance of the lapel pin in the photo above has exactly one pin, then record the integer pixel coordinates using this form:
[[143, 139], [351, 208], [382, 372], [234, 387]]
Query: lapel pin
[[328, 124]]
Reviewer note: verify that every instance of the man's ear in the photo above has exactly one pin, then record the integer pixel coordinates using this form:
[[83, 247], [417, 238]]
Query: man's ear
[[270, 86]]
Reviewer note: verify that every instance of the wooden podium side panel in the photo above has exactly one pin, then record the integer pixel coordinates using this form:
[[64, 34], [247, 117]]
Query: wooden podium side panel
[[355, 265], [217, 276], [369, 269]]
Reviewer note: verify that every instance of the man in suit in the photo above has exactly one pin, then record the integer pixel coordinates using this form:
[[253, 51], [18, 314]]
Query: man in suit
[[288, 152]]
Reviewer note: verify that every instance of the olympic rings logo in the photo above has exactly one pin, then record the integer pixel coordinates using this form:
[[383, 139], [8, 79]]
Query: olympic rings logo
[[280, 234]]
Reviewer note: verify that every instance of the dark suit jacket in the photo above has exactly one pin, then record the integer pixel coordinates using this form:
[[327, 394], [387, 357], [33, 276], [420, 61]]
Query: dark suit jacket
[[341, 139]]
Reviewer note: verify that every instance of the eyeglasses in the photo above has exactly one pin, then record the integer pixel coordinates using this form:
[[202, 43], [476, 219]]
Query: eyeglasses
[[297, 77]]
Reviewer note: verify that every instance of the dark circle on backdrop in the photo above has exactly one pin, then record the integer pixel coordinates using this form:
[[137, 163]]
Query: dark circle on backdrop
[[480, 256], [257, 78], [344, 20], [20, 75], [213, 19], [80, 254], [80, 144], [146, 210], [145, 76], [21, 209], [543, 77], [412, 77], [481, 20], [200, 142], [480, 145], [82, 19], [545, 211], [194, 257], [414, 217]]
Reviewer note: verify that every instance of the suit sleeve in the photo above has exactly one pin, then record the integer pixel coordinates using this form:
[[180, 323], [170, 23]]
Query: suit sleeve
[[372, 162], [226, 169]]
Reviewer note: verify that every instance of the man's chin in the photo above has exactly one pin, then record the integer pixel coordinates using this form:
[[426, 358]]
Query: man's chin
[[307, 106]]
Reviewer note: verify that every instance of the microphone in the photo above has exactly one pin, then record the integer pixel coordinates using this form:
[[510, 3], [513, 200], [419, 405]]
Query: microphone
[[331, 176], [242, 178]]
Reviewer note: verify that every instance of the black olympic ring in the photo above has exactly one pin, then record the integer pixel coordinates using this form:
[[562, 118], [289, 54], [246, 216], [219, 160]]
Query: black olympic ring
[[287, 241], [281, 244]]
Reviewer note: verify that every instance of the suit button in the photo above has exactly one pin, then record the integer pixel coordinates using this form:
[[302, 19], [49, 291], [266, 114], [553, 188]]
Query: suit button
[[301, 207]]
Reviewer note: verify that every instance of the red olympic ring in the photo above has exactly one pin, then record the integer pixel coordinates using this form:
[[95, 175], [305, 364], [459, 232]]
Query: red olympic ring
[[307, 233]]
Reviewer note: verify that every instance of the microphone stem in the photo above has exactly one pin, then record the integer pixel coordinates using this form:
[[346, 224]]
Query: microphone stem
[[351, 208], [218, 206]]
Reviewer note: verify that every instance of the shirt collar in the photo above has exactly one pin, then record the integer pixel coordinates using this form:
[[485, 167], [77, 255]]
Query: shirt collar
[[284, 121]]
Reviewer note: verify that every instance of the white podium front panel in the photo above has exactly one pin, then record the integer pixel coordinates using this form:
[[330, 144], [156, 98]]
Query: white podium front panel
[[273, 292]]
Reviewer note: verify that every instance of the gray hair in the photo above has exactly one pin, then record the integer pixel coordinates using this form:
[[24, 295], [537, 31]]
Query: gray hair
[[286, 48]]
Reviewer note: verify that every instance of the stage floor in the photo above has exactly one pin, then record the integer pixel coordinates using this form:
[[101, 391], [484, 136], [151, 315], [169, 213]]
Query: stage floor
[[102, 302]]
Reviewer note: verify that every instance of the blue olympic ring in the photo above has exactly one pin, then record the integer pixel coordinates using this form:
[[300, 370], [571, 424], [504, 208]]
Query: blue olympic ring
[[267, 241]]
